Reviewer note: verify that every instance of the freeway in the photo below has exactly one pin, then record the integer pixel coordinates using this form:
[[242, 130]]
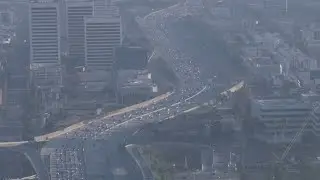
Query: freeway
[[116, 129], [76, 126]]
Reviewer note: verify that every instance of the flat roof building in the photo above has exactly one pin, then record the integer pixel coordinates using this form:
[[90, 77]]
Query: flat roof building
[[135, 85], [279, 120]]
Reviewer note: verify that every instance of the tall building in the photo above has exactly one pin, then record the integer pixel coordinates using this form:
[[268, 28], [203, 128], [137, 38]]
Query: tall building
[[102, 35], [45, 43], [76, 11]]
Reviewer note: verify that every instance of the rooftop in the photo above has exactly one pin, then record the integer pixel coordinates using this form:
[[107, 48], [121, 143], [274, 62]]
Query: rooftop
[[127, 78], [95, 81], [95, 76], [282, 104]]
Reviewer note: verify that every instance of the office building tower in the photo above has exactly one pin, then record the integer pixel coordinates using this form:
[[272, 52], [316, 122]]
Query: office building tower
[[45, 43], [76, 11], [102, 35]]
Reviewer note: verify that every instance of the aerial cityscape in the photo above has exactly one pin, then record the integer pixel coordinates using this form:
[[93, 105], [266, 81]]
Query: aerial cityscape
[[159, 90]]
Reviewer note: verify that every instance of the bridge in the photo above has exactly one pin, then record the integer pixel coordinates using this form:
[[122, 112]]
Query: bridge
[[74, 127], [116, 127]]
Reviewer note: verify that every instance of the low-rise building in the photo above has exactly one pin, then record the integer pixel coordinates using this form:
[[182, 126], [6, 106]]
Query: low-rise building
[[135, 85], [279, 120], [97, 84]]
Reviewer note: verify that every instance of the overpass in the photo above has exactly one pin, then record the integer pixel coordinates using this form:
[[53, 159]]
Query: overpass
[[33, 154], [74, 127]]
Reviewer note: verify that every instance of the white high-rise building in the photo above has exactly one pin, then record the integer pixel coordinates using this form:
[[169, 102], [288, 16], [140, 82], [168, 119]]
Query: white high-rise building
[[102, 34], [76, 11], [45, 43]]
